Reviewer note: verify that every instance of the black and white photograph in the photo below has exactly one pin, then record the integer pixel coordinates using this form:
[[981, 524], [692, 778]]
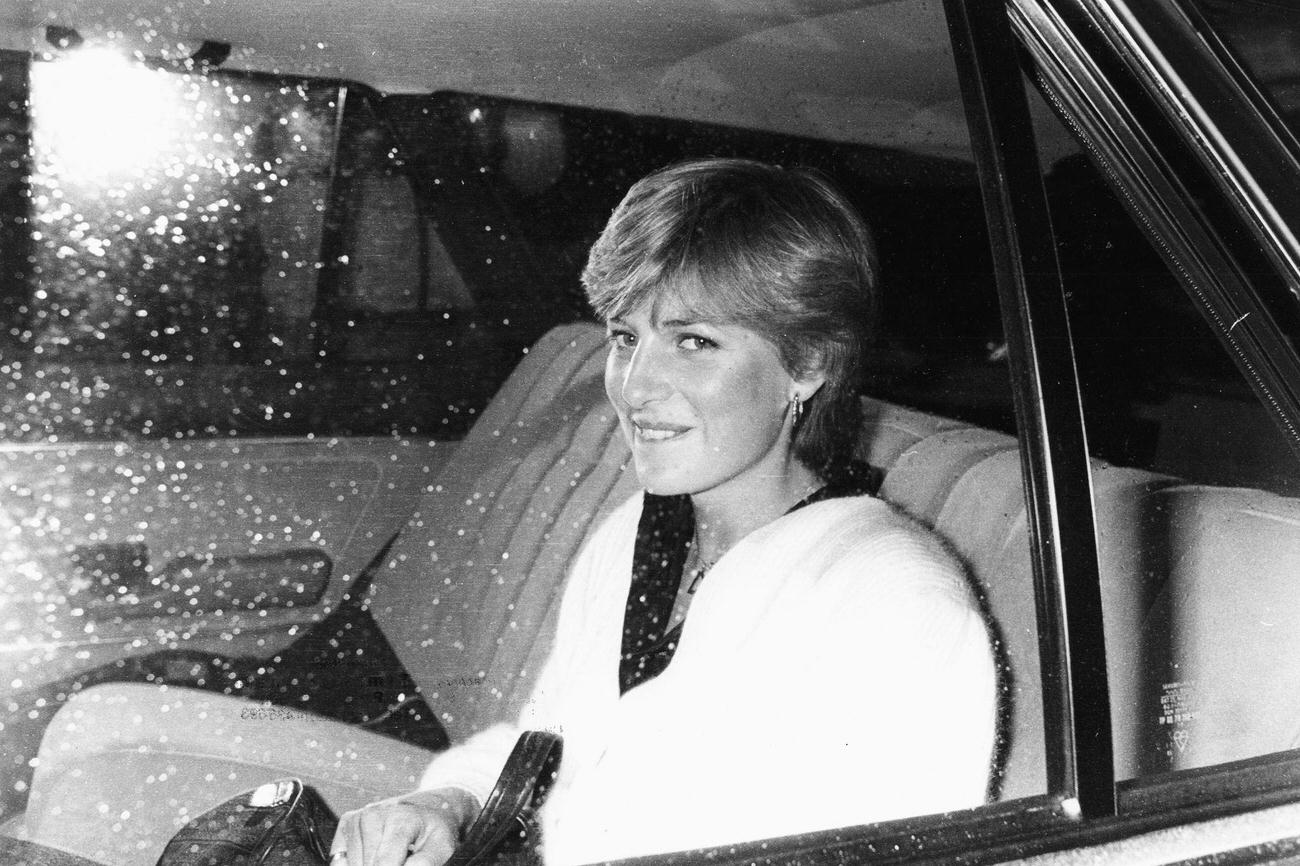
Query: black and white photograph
[[652, 432]]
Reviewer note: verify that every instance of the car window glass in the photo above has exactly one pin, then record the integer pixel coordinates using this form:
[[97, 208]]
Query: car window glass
[[1265, 38], [178, 223], [1197, 496], [195, 253], [1162, 392]]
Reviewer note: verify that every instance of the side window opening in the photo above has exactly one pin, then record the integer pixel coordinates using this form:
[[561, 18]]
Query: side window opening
[[402, 342]]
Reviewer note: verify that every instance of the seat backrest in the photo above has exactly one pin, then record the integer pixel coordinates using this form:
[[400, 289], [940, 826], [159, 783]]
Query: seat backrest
[[1198, 585], [964, 482], [470, 592]]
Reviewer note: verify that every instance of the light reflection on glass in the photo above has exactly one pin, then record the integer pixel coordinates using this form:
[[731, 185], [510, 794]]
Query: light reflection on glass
[[177, 219], [101, 117]]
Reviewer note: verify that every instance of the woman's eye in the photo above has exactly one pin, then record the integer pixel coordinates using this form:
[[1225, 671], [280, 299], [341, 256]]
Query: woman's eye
[[621, 339], [695, 343]]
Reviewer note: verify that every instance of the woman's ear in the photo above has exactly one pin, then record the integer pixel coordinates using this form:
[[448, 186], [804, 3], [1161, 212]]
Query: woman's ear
[[808, 384], [811, 376]]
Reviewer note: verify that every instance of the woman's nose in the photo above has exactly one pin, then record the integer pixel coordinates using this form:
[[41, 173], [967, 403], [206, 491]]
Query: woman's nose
[[645, 378]]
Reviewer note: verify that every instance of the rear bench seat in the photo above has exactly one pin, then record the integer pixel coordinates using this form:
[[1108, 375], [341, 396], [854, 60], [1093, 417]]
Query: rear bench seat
[[1200, 593], [469, 596]]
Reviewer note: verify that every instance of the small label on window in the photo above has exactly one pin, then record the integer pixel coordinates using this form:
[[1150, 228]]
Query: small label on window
[[1178, 709]]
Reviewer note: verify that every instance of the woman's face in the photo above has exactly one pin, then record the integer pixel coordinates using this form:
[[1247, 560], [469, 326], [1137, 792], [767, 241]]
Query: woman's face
[[703, 404]]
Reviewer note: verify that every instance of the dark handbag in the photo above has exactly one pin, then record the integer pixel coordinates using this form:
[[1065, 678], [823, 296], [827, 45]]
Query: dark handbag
[[283, 822]]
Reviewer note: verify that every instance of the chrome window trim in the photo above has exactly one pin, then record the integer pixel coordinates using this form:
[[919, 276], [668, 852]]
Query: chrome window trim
[[1217, 112], [1120, 140]]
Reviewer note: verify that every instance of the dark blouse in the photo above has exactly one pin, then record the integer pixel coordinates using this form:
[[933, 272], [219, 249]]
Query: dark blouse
[[663, 542]]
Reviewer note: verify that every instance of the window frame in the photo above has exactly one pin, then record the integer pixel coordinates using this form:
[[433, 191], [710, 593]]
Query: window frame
[[1054, 458]]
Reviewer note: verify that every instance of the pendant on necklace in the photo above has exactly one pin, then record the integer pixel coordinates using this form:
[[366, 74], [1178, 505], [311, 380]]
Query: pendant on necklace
[[696, 566]]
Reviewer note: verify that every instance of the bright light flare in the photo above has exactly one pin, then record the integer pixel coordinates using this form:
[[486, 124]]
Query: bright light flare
[[100, 117]]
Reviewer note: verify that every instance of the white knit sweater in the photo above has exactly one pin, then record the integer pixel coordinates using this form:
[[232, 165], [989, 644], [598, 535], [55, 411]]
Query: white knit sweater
[[833, 671]]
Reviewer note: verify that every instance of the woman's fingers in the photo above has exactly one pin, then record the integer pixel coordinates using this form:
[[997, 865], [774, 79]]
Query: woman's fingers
[[393, 833], [347, 837], [434, 850], [389, 833]]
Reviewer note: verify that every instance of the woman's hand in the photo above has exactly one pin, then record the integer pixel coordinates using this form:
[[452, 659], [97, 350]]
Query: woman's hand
[[417, 829]]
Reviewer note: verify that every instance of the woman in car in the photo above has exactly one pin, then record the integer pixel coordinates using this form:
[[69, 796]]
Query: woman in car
[[754, 646]]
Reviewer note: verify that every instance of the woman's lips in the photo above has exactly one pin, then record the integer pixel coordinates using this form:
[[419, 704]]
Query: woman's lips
[[658, 431]]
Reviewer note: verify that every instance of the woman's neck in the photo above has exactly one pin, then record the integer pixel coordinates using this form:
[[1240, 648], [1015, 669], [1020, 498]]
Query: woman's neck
[[724, 517]]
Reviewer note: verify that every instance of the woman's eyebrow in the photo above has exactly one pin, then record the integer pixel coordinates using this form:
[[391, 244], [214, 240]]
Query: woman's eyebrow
[[687, 320]]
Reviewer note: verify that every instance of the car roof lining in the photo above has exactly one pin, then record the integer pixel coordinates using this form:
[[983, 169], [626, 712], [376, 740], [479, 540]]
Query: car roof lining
[[876, 72]]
